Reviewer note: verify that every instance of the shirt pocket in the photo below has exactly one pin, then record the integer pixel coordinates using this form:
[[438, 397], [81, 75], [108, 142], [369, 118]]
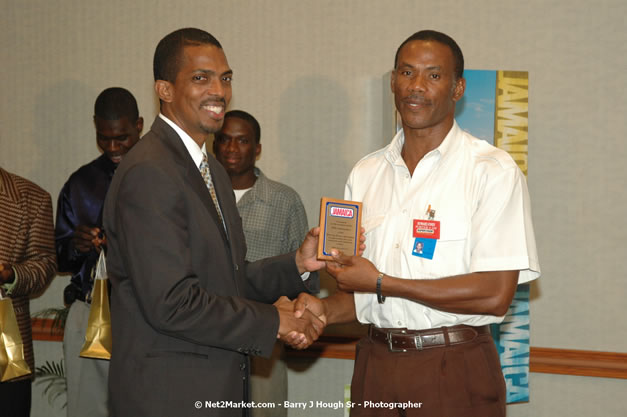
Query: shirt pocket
[[451, 256]]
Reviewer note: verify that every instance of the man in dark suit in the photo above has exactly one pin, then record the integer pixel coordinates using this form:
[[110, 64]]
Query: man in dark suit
[[187, 310]]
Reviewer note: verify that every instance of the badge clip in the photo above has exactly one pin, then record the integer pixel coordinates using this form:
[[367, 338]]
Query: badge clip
[[430, 213]]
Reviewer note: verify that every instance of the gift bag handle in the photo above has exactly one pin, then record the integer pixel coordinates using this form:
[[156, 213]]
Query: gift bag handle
[[101, 266]]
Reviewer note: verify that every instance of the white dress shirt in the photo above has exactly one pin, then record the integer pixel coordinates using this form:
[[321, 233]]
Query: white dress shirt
[[480, 198], [195, 151]]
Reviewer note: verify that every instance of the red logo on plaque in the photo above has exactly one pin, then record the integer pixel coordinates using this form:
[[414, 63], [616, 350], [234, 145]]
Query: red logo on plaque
[[342, 212]]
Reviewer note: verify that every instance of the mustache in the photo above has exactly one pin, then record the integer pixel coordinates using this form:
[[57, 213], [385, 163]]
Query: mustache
[[214, 100], [415, 98]]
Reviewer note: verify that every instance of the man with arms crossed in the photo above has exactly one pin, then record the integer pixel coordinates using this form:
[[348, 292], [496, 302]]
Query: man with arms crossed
[[468, 203], [274, 222], [186, 309], [79, 239]]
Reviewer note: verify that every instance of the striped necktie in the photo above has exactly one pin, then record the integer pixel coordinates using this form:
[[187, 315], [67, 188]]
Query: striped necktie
[[206, 175]]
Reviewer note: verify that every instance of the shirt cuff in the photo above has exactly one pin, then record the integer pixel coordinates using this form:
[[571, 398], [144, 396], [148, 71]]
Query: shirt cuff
[[305, 276]]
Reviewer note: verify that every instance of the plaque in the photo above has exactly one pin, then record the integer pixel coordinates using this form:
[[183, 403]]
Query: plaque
[[340, 227]]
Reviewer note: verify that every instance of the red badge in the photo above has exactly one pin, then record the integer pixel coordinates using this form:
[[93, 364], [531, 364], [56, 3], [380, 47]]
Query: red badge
[[429, 229]]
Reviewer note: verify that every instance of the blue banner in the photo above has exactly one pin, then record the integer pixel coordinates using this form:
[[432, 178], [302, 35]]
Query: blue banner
[[495, 108]]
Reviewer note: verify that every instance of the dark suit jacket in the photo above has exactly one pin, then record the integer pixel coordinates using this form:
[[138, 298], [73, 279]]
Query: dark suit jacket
[[182, 314]]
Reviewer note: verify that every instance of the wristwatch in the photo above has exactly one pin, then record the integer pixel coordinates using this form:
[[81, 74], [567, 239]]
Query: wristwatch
[[380, 297]]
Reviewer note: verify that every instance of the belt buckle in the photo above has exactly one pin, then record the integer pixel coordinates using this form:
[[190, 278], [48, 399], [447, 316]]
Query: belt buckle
[[417, 343], [391, 345]]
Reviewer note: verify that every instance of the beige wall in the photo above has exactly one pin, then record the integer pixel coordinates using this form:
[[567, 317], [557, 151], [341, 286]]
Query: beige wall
[[311, 71]]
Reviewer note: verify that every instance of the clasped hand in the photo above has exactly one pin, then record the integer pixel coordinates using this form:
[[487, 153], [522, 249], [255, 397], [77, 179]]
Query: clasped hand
[[298, 327], [303, 320]]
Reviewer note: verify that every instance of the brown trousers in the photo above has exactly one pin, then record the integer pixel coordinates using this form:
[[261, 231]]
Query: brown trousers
[[463, 380]]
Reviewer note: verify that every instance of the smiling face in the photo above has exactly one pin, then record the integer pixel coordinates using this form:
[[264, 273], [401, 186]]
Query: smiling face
[[424, 85], [117, 137], [197, 99]]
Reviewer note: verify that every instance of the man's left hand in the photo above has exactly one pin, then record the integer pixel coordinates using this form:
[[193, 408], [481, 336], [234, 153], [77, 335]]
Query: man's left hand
[[307, 254], [353, 273]]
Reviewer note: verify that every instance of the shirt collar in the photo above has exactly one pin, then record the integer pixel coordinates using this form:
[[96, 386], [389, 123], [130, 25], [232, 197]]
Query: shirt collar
[[393, 153], [259, 190], [195, 151]]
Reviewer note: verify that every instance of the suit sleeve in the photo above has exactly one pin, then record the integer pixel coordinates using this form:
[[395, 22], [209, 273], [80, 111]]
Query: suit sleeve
[[38, 265], [153, 238], [268, 286]]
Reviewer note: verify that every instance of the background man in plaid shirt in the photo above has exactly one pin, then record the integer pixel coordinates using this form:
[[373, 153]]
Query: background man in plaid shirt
[[274, 222]]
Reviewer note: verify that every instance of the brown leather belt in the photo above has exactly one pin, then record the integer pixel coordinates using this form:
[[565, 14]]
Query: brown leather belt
[[402, 340]]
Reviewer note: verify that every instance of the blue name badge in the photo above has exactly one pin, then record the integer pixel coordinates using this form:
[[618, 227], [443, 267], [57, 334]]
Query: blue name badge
[[424, 248]]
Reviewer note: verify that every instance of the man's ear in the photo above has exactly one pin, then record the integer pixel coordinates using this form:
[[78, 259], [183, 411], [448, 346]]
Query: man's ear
[[139, 124], [164, 90], [257, 151], [460, 87]]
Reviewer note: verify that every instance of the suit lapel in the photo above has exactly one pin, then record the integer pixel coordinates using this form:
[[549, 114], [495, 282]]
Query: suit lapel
[[7, 188], [191, 172], [13, 206]]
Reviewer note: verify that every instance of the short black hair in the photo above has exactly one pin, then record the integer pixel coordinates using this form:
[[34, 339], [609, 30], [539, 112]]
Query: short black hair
[[247, 117], [168, 55], [432, 35], [115, 103]]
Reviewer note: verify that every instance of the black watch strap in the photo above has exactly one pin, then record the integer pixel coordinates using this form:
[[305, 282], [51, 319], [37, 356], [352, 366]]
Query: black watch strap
[[380, 297]]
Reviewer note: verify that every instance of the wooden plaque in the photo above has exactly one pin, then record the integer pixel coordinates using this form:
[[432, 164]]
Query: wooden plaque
[[340, 227]]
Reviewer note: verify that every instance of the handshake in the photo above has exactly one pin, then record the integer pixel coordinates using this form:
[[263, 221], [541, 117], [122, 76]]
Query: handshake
[[301, 321]]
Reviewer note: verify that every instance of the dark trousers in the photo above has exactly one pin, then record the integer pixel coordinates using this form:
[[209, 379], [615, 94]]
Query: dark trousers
[[463, 380], [15, 398]]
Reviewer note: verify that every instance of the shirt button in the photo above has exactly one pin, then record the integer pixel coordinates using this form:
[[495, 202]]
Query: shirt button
[[405, 211], [396, 246], [242, 366], [400, 323], [236, 267]]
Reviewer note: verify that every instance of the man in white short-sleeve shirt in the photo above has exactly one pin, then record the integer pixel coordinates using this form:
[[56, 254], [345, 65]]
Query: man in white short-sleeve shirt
[[448, 238]]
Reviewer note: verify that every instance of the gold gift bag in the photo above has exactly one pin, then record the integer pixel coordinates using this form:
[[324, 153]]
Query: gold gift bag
[[98, 337], [12, 361]]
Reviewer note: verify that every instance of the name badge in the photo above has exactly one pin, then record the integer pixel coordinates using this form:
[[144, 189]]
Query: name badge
[[428, 229], [424, 248]]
